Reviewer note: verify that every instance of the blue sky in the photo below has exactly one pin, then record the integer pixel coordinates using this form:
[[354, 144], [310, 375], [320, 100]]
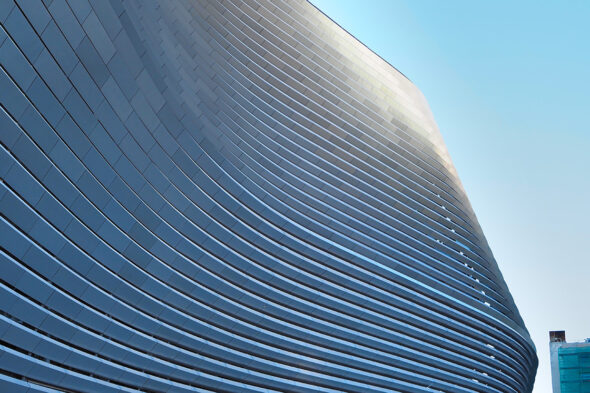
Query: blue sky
[[509, 86]]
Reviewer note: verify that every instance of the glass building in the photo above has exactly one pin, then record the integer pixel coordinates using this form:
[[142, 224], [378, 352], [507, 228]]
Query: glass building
[[570, 364], [233, 196]]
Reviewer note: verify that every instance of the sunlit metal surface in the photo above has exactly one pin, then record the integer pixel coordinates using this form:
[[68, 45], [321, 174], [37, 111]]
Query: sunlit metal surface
[[233, 196]]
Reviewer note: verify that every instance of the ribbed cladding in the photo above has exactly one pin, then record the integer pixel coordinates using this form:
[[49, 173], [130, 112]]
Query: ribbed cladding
[[232, 196]]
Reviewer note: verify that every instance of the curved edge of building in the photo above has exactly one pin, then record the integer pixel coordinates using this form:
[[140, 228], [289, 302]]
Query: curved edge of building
[[233, 196]]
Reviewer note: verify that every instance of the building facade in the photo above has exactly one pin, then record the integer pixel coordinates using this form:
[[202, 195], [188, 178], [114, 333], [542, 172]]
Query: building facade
[[233, 196], [570, 364]]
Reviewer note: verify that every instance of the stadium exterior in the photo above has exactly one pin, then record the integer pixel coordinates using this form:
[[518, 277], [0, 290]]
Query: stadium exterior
[[232, 196]]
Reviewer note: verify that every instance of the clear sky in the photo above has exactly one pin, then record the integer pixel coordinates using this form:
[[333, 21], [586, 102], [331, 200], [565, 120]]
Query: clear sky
[[509, 85]]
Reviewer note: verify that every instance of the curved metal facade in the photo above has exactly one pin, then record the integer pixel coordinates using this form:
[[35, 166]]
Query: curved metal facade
[[232, 196]]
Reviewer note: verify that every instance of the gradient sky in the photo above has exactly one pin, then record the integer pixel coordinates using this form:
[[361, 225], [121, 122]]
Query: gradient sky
[[509, 85]]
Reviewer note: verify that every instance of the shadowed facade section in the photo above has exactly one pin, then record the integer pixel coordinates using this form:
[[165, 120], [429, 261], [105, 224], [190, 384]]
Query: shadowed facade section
[[233, 196]]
